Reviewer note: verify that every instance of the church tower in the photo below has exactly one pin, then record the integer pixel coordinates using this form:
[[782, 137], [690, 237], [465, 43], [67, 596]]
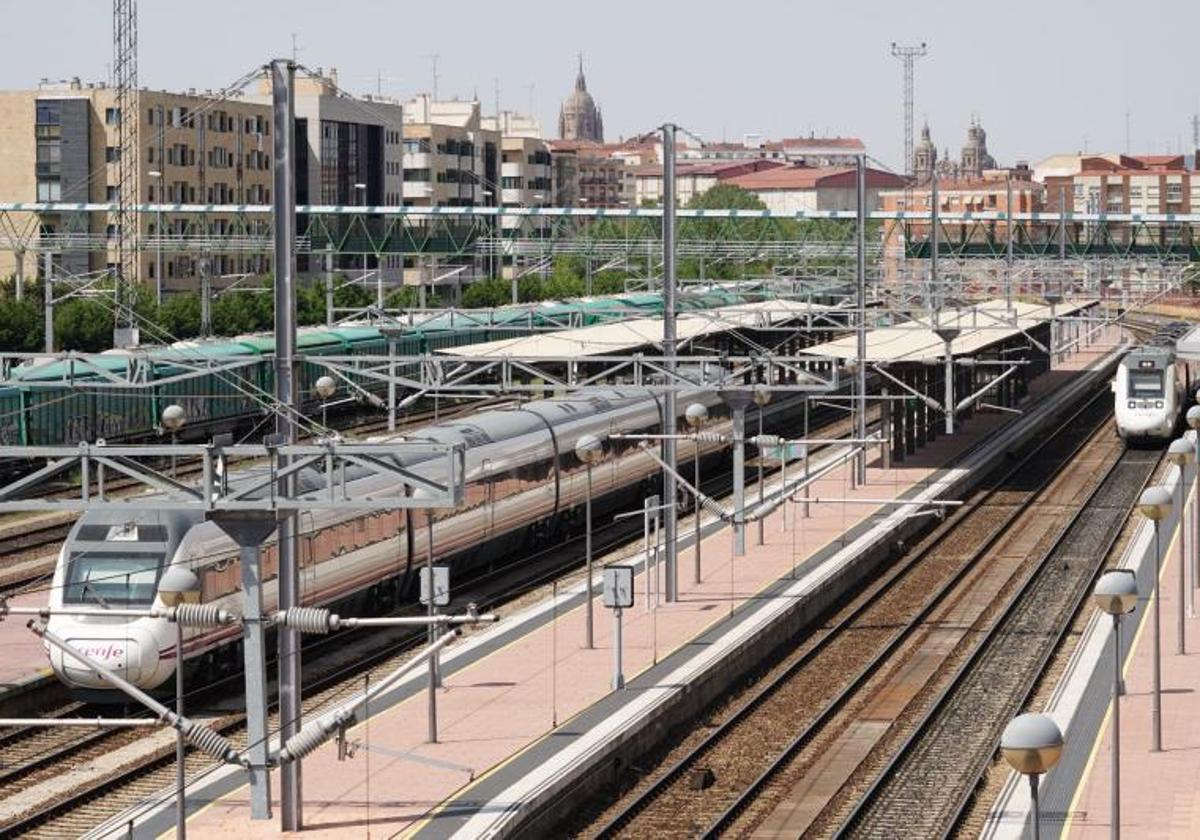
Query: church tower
[[975, 157], [579, 117], [924, 157]]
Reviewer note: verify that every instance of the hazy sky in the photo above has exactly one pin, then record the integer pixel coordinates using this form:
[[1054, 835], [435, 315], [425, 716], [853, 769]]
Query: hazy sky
[[1044, 76]]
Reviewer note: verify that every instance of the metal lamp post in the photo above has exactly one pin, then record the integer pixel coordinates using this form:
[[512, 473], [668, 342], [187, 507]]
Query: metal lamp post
[[697, 416], [431, 631], [589, 450], [326, 387], [1116, 593], [1193, 420], [173, 419], [179, 585], [762, 396], [1032, 744], [1179, 453], [1155, 504], [158, 264]]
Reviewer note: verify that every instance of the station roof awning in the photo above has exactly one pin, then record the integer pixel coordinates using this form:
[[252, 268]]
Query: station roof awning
[[980, 325], [625, 336]]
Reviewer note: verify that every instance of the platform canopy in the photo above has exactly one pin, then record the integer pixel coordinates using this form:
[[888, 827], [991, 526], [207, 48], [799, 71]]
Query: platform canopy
[[980, 326], [626, 336]]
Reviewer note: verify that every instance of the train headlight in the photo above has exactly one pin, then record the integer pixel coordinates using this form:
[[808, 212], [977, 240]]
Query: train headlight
[[1132, 404], [1158, 404]]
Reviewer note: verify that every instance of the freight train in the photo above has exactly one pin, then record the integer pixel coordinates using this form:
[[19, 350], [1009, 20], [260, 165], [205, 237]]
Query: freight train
[[53, 403]]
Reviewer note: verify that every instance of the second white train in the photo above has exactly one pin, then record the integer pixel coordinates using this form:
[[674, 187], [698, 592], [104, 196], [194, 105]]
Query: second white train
[[1153, 389]]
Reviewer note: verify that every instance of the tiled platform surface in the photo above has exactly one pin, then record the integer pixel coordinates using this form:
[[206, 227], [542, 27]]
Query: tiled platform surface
[[532, 689]]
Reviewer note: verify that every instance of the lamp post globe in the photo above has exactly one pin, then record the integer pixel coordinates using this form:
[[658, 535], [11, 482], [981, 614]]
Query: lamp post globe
[[762, 395], [697, 415], [588, 449], [326, 387], [1031, 743], [174, 417], [1193, 414], [1179, 452], [1116, 593], [1154, 503], [179, 585]]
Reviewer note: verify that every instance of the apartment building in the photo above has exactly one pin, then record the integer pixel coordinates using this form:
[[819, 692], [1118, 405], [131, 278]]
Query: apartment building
[[989, 193], [692, 178], [1127, 184], [348, 153], [59, 142], [450, 158], [811, 151], [792, 189], [590, 174], [526, 171]]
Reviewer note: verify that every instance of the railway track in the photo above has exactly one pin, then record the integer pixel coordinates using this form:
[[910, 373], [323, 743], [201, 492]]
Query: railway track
[[805, 718], [927, 787], [74, 813]]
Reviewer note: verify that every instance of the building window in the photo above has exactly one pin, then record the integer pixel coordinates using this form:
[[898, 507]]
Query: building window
[[112, 116], [113, 194], [49, 189], [49, 113], [1174, 193], [112, 154], [49, 152]]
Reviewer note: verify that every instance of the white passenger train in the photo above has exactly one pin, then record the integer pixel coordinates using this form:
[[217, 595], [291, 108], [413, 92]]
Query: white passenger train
[[524, 485], [1153, 388]]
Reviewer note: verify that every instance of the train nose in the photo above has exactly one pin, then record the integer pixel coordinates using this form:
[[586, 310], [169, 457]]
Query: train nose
[[132, 657]]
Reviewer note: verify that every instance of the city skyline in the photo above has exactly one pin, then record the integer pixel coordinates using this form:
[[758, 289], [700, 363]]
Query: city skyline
[[1013, 73]]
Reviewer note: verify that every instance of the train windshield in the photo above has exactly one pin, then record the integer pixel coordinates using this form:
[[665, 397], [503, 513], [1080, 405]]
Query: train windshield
[[112, 578], [1145, 384]]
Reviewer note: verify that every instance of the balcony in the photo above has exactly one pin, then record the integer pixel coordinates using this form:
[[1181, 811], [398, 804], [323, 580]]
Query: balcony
[[418, 189]]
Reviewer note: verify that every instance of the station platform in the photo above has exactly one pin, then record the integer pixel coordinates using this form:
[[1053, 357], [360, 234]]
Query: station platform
[[24, 662], [1160, 791], [526, 713]]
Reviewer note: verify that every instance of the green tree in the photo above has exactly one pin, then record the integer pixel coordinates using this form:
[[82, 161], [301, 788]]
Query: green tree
[[495, 291], [310, 304], [83, 324], [405, 297], [726, 197], [235, 313], [20, 325], [179, 315]]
